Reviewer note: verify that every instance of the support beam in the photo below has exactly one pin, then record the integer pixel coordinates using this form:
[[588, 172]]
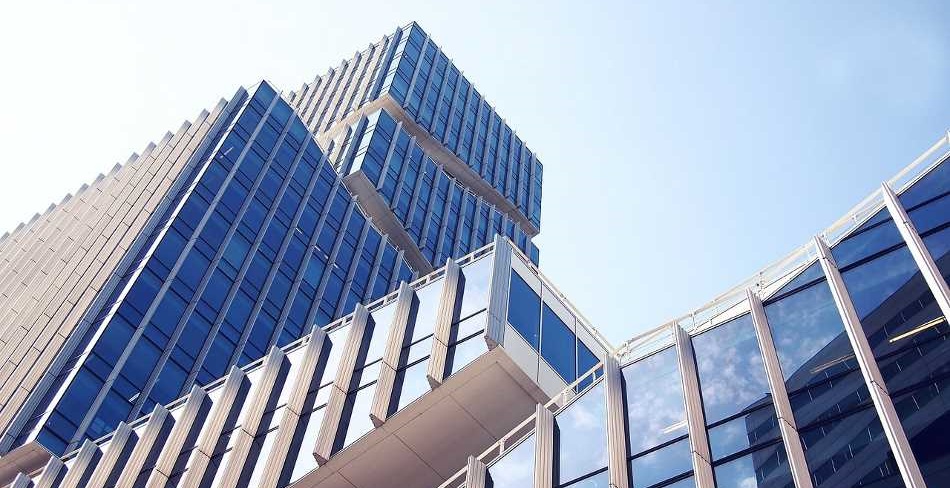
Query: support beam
[[543, 447], [78, 474], [262, 397], [382, 398], [446, 315], [695, 417], [783, 407], [148, 446], [188, 424], [22, 481], [617, 467], [497, 318], [224, 408], [326, 438], [52, 474], [928, 267], [476, 473], [309, 376], [896, 437], [114, 458]]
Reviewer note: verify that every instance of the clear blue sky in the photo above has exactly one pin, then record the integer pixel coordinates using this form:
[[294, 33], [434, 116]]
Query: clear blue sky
[[685, 145]]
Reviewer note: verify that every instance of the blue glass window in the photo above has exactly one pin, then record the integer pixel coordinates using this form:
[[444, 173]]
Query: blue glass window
[[524, 310], [558, 345], [662, 464]]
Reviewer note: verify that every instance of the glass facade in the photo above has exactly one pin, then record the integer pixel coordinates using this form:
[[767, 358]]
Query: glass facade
[[263, 242], [441, 215]]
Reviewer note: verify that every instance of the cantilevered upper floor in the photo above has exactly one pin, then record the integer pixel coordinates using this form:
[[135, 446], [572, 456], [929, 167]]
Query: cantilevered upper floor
[[396, 394], [409, 75]]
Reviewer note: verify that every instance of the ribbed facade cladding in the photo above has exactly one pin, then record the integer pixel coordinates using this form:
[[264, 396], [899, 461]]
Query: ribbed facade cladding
[[260, 242], [833, 373], [408, 74], [56, 268], [441, 215], [267, 423]]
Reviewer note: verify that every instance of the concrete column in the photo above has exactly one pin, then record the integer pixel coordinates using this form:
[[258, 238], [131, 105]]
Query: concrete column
[[544, 447], [476, 473], [78, 474], [120, 447], [224, 408], [695, 417], [447, 313], [237, 467], [928, 268], [616, 424], [157, 428], [497, 318], [310, 375], [341, 385], [896, 437], [195, 410], [390, 362], [783, 407]]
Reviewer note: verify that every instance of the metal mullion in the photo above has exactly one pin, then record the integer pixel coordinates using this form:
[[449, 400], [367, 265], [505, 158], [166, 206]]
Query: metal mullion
[[695, 416], [451, 117], [378, 81], [351, 272], [883, 404], [415, 71], [340, 90], [780, 399], [384, 168]]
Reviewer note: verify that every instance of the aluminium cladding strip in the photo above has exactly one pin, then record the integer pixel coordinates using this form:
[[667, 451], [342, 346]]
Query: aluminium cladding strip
[[544, 453], [883, 404], [783, 406], [617, 467], [86, 306], [148, 447], [476, 473], [445, 317], [382, 398], [695, 417]]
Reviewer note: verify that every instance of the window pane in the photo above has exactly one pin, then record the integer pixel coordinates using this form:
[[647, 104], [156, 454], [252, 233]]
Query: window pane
[[382, 322], [516, 468], [820, 372], [558, 345], [356, 421], [476, 282], [850, 452], [582, 436], [749, 430], [524, 310], [411, 383], [654, 396], [599, 480], [731, 375], [662, 464], [427, 307], [925, 415], [765, 468], [465, 352]]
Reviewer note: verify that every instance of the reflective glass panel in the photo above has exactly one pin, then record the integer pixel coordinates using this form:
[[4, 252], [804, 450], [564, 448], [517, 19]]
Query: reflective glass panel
[[524, 310], [582, 436], [558, 345], [925, 416], [743, 432], [765, 468], [356, 412], [411, 383], [427, 308], [661, 464], [851, 451], [515, 469], [599, 480], [654, 398], [476, 281], [731, 374]]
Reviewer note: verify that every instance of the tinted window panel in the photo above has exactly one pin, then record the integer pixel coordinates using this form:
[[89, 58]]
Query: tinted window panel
[[516, 468], [558, 345], [662, 464], [524, 310]]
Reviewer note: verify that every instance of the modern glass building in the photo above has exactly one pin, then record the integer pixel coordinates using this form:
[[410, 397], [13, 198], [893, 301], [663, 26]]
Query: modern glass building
[[337, 287]]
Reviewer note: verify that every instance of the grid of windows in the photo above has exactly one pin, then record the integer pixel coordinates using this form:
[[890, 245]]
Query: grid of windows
[[264, 242], [439, 213]]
